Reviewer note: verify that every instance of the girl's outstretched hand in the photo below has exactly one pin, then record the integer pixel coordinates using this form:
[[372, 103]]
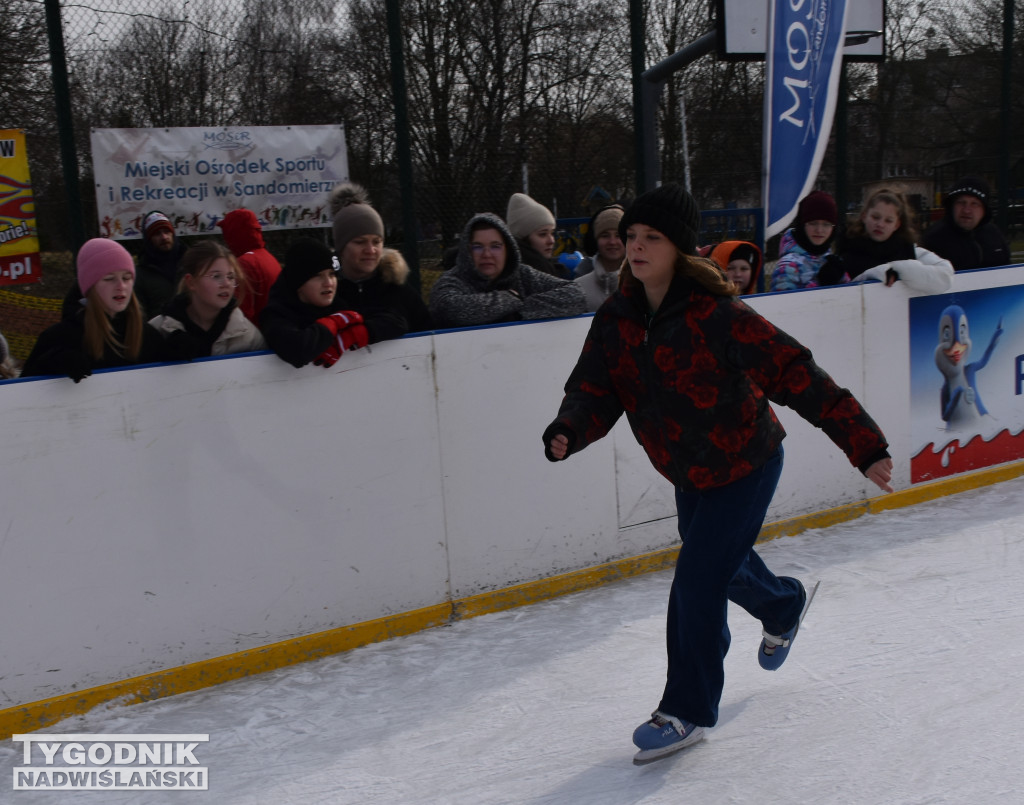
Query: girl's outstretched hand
[[880, 474], [558, 446]]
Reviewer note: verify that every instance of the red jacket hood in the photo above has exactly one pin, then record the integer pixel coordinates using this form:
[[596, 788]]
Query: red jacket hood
[[242, 231]]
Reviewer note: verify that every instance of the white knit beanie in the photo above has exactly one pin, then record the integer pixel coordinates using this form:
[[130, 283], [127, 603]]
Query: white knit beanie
[[525, 216], [607, 219]]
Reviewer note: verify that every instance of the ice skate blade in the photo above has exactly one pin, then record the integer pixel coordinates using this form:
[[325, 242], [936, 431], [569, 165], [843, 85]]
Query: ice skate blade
[[645, 756], [772, 661]]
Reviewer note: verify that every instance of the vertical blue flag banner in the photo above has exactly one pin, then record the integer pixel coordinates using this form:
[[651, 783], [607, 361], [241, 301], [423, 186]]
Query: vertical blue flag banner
[[804, 56]]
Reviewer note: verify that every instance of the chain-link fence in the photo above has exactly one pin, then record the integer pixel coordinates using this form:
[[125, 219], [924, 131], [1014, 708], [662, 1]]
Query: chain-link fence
[[503, 96], [479, 129]]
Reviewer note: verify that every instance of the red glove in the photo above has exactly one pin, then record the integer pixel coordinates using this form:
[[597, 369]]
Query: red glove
[[329, 356], [352, 337], [337, 322]]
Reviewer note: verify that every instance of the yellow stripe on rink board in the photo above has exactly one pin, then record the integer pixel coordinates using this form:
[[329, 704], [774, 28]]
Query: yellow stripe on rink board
[[897, 500], [206, 673]]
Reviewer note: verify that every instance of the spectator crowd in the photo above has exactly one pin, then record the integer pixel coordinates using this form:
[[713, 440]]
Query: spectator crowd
[[178, 302]]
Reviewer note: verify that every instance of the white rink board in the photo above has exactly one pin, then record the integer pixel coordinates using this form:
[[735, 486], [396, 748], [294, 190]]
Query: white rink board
[[167, 515], [513, 516], [171, 514], [816, 470]]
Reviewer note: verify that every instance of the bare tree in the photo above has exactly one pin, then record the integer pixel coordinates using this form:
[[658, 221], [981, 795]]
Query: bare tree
[[360, 58], [282, 63], [579, 133], [494, 85], [499, 86], [27, 102], [163, 71], [933, 107], [26, 96]]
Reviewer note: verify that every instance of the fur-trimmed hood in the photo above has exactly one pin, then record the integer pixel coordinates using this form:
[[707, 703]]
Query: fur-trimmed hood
[[393, 268]]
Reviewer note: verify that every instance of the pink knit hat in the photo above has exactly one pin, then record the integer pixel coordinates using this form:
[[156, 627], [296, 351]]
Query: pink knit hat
[[99, 257]]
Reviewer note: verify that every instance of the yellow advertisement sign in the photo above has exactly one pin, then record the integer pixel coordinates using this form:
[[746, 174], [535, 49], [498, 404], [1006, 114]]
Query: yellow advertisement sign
[[19, 238]]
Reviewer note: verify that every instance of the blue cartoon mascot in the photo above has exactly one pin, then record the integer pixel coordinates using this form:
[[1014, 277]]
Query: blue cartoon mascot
[[961, 403]]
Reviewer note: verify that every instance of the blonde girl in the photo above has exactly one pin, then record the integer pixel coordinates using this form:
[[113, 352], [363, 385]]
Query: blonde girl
[[107, 330], [204, 318], [880, 245]]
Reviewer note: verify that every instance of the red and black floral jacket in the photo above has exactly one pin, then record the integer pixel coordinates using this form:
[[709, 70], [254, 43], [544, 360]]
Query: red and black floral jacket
[[695, 380]]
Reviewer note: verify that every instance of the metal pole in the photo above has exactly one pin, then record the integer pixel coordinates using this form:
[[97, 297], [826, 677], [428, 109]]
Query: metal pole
[[653, 80], [650, 93], [410, 246], [842, 191], [1004, 134], [682, 58], [686, 141], [65, 124], [640, 123]]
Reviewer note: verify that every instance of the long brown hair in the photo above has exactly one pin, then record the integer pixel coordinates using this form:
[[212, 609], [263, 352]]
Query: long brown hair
[[907, 229], [8, 366], [99, 332], [200, 256], [701, 270]]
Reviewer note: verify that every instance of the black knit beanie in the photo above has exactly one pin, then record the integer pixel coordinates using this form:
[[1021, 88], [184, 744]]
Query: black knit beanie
[[304, 259], [669, 209], [969, 186]]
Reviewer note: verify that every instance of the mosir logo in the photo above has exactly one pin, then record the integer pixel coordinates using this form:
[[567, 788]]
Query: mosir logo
[[228, 140], [804, 48], [111, 763]]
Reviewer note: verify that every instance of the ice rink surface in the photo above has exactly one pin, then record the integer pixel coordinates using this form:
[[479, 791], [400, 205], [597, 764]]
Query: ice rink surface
[[905, 686]]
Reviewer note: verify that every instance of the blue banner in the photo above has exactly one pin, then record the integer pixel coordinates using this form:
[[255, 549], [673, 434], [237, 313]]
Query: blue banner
[[804, 61]]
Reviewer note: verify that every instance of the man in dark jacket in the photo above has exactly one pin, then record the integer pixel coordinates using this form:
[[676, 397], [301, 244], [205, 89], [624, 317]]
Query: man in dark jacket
[[156, 279], [966, 235]]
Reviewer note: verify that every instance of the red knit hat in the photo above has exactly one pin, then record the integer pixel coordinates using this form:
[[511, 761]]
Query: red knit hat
[[817, 206]]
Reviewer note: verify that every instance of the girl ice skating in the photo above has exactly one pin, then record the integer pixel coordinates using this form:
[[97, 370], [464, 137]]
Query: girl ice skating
[[693, 368]]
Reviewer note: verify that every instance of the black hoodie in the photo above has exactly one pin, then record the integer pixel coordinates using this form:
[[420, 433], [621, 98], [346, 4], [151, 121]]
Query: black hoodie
[[981, 247]]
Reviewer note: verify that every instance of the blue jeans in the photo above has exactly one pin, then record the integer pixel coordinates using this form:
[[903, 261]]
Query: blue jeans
[[717, 564]]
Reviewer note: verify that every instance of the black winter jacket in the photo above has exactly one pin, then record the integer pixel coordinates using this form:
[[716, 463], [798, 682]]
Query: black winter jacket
[[59, 349], [982, 247], [389, 307], [290, 327], [156, 278]]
